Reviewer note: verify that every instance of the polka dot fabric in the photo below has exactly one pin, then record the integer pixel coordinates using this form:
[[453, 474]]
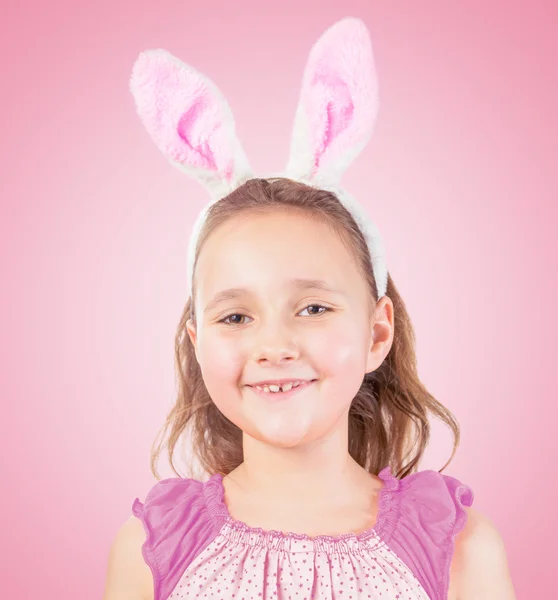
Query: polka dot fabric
[[197, 550]]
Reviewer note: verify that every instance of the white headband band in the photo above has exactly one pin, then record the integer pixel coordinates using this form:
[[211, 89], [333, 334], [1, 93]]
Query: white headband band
[[191, 123]]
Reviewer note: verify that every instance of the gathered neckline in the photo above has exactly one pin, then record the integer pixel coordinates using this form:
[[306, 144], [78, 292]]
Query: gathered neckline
[[387, 515]]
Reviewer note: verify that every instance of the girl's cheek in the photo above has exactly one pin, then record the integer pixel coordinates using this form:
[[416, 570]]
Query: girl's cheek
[[337, 345], [221, 358]]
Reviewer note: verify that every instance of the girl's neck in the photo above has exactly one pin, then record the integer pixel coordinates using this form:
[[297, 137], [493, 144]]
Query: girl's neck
[[324, 486], [321, 504]]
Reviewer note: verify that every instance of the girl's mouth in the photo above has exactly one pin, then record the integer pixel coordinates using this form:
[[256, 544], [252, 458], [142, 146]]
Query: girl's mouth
[[280, 395]]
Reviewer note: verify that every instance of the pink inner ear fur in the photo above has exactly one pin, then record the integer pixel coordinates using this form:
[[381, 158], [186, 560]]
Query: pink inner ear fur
[[186, 129], [182, 114], [331, 90]]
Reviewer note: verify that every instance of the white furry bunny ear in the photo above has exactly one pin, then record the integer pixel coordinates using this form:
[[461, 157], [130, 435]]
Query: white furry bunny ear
[[338, 104], [189, 121]]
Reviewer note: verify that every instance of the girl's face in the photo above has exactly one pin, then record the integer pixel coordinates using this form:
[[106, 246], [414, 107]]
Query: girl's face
[[278, 322]]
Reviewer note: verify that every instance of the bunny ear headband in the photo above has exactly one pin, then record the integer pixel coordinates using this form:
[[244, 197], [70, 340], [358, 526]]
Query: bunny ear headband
[[191, 123]]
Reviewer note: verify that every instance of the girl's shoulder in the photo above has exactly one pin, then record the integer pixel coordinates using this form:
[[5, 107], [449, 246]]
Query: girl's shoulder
[[128, 576], [479, 567]]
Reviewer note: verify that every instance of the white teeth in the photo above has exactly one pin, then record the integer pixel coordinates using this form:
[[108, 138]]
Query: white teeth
[[277, 388]]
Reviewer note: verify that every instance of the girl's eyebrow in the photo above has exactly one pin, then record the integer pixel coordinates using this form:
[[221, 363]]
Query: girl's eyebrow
[[298, 283]]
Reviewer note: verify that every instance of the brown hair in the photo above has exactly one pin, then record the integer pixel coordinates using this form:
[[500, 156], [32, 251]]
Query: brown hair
[[388, 417]]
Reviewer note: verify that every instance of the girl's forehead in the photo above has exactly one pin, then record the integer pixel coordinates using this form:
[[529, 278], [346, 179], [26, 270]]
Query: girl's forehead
[[266, 232], [271, 250]]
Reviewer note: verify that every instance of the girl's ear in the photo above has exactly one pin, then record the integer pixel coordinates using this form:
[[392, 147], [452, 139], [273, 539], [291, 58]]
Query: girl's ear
[[192, 334], [189, 120], [338, 104], [382, 333]]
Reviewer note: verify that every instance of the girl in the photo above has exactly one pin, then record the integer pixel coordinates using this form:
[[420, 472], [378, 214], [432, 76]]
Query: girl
[[297, 372]]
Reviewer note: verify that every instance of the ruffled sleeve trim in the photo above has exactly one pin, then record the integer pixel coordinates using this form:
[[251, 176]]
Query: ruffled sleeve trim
[[462, 496], [177, 528], [431, 512]]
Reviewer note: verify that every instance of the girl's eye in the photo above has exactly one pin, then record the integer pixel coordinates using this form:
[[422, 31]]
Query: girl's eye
[[319, 306], [326, 308], [224, 320]]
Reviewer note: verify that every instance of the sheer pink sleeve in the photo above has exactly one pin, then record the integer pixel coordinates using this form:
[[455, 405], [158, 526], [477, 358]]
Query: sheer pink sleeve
[[177, 528], [424, 516]]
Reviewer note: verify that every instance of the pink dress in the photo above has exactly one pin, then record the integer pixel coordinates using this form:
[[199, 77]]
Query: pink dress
[[195, 549]]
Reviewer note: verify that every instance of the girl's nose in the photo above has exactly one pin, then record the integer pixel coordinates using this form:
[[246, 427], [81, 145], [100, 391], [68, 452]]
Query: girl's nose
[[275, 344], [276, 355]]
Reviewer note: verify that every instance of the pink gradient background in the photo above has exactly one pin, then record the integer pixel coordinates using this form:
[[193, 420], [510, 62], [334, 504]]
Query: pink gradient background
[[460, 178]]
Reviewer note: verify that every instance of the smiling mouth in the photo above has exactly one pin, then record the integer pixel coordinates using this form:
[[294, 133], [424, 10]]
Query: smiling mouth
[[282, 395]]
